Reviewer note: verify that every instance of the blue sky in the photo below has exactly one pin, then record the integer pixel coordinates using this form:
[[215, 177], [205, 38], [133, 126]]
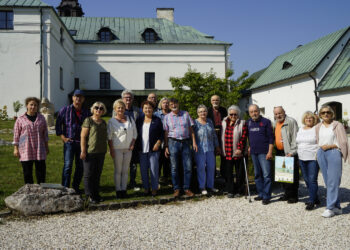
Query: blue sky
[[260, 30]]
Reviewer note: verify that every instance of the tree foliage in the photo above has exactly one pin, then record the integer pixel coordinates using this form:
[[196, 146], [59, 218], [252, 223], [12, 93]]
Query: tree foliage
[[196, 88]]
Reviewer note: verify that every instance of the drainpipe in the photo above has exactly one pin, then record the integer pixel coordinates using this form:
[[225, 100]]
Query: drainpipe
[[225, 47], [41, 53], [316, 97]]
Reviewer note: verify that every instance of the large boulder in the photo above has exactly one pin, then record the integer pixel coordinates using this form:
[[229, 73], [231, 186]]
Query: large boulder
[[33, 199]]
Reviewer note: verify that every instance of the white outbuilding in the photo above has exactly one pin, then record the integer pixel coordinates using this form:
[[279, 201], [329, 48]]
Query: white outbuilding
[[307, 77]]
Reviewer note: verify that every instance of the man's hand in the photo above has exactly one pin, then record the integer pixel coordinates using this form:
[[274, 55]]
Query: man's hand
[[83, 155], [16, 152], [195, 147], [238, 152], [167, 153], [65, 139], [269, 156]]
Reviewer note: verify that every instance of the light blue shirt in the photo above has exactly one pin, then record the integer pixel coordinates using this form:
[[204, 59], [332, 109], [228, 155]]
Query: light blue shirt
[[206, 138]]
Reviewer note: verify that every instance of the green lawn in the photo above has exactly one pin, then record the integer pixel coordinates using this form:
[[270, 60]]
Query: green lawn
[[11, 176]]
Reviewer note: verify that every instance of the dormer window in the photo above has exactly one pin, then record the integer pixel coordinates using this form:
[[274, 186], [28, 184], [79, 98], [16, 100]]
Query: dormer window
[[106, 35], [286, 65], [73, 32], [150, 36]]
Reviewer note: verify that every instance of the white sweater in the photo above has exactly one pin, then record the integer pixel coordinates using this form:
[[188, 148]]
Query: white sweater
[[307, 144], [120, 133]]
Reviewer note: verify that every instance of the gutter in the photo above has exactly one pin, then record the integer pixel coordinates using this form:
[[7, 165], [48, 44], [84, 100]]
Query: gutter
[[315, 92]]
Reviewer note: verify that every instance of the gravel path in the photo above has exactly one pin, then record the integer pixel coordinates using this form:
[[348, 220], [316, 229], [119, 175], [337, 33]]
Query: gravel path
[[215, 223]]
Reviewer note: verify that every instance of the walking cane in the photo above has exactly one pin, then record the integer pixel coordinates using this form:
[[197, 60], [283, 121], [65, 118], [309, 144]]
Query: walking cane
[[246, 177]]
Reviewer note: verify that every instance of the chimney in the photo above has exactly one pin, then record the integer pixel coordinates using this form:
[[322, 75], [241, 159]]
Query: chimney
[[166, 13]]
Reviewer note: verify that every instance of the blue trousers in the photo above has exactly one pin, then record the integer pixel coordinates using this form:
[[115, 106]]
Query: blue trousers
[[149, 161], [180, 150], [205, 169], [262, 174], [330, 162], [310, 171], [72, 150]]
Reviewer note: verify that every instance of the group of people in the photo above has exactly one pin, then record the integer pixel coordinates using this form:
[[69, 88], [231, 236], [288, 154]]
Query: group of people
[[164, 137]]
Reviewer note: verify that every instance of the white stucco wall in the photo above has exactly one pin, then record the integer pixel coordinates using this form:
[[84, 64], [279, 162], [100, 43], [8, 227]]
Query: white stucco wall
[[342, 96], [58, 55], [19, 52], [127, 64], [296, 97]]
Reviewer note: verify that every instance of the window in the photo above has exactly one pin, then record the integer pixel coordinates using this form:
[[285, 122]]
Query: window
[[149, 80], [6, 20], [73, 32], [150, 36], [61, 36], [105, 80], [61, 78], [76, 83], [286, 65], [106, 35]]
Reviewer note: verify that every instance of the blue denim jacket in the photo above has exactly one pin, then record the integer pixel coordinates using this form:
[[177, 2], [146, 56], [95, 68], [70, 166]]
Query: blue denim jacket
[[206, 138]]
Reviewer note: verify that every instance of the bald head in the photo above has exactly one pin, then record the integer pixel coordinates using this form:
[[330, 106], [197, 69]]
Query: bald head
[[279, 113], [254, 111], [215, 101]]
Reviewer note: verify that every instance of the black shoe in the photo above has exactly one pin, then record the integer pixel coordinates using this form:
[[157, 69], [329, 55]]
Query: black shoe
[[258, 198], [292, 200], [310, 206], [283, 198], [230, 195], [317, 202], [119, 194], [265, 202], [124, 194]]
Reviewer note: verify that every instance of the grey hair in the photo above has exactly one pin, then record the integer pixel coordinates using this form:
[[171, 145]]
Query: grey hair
[[279, 107], [126, 91], [254, 105], [234, 107], [202, 106], [161, 102]]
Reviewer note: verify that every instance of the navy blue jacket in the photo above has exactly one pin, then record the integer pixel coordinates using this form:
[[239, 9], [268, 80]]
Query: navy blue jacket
[[155, 132], [260, 135]]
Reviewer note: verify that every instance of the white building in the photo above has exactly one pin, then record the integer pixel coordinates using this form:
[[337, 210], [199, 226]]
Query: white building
[[46, 55], [307, 77]]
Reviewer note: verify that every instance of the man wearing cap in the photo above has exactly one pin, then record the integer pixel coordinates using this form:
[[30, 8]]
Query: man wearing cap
[[68, 127]]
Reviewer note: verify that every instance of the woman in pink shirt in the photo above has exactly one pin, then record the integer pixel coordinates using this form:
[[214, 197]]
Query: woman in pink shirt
[[30, 140]]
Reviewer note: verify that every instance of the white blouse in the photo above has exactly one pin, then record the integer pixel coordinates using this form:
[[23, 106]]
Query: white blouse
[[120, 133], [145, 137], [327, 136], [307, 144]]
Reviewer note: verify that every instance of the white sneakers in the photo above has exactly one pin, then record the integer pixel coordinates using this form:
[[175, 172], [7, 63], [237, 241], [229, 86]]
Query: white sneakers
[[204, 192], [330, 213]]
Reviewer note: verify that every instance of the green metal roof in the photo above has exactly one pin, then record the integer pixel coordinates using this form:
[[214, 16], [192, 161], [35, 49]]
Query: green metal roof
[[302, 60], [257, 74], [339, 75], [129, 30], [22, 3]]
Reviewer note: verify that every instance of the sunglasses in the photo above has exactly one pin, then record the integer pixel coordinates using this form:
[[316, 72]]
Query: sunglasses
[[326, 112], [98, 108], [233, 114]]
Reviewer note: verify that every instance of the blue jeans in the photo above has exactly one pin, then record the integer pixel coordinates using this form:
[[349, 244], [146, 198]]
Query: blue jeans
[[310, 173], [262, 173], [180, 150], [205, 169], [71, 150], [330, 162], [150, 161]]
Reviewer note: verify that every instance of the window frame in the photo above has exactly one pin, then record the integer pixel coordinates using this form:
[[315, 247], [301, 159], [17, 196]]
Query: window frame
[[150, 36], [7, 20], [61, 78], [150, 80], [105, 80]]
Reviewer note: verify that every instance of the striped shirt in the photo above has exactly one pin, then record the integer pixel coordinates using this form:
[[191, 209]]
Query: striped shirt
[[178, 125], [30, 137], [69, 124]]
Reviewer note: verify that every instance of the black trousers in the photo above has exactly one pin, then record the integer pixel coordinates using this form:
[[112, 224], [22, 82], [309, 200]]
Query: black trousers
[[40, 171], [93, 165], [232, 186], [164, 163], [291, 189]]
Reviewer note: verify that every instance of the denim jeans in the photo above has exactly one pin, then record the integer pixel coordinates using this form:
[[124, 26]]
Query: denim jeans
[[330, 163], [149, 161], [180, 150], [310, 171], [71, 150], [205, 169], [262, 173]]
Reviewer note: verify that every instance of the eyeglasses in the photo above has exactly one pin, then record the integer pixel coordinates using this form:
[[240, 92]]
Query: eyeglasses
[[233, 114], [326, 112], [98, 108]]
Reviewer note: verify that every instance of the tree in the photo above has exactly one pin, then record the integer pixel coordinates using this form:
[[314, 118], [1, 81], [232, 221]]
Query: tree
[[17, 106], [196, 88]]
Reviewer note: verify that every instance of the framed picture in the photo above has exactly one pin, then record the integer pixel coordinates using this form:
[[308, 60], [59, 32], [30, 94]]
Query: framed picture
[[284, 169]]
